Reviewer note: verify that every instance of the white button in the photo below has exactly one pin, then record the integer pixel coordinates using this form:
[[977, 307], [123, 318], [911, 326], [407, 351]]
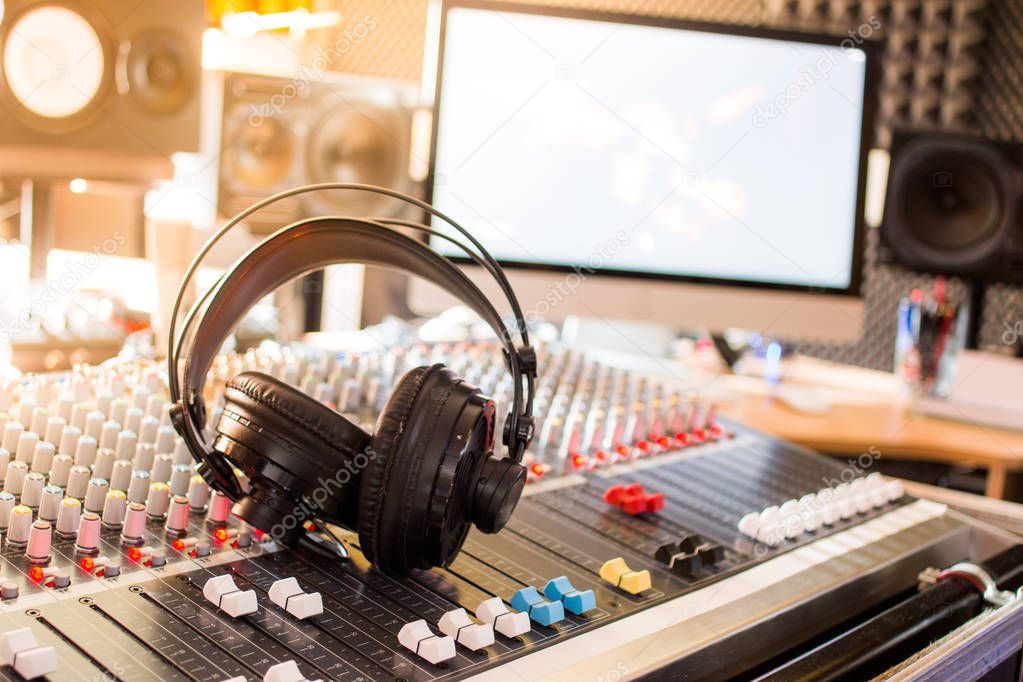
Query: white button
[[222, 591], [748, 524], [284, 672], [457, 624], [417, 637], [509, 623], [20, 649], [289, 596]]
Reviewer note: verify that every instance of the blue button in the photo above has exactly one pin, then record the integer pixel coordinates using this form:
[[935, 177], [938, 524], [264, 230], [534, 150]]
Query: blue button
[[547, 613], [542, 611], [525, 598], [579, 602], [557, 588]]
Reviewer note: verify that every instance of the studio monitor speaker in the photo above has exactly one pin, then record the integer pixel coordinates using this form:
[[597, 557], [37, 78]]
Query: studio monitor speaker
[[954, 205], [279, 132], [101, 75]]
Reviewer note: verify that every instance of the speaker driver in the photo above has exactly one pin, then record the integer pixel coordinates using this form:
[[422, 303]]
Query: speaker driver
[[346, 145], [948, 205], [258, 156], [157, 70], [54, 63]]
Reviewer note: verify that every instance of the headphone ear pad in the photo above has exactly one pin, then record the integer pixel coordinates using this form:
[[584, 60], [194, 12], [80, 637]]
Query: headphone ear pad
[[387, 441]]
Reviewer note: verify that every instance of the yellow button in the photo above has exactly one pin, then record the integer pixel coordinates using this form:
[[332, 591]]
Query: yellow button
[[613, 570], [635, 582]]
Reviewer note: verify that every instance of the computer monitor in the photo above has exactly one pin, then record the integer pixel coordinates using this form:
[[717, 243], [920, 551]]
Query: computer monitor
[[637, 168]]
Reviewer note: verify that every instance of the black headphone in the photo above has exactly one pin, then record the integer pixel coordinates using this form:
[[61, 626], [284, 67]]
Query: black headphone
[[413, 487]]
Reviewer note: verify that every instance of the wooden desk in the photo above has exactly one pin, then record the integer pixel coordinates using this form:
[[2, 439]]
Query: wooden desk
[[894, 430]]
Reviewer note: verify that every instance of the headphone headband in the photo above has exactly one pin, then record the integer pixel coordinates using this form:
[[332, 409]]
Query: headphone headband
[[310, 245]]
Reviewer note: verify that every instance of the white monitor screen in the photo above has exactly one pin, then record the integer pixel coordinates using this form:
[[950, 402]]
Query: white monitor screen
[[650, 149]]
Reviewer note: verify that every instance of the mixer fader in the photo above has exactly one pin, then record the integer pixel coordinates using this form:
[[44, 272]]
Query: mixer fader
[[644, 513]]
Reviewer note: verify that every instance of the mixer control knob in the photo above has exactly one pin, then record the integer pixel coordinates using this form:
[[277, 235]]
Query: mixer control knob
[[96, 494], [134, 524], [60, 469], [26, 446], [49, 504], [114, 508], [145, 454], [40, 538], [19, 526], [138, 488], [42, 457], [180, 475], [68, 515], [32, 489], [7, 503], [78, 481], [120, 475], [104, 464], [15, 479], [220, 508], [158, 500], [69, 436], [177, 517], [85, 451], [198, 493], [88, 533]]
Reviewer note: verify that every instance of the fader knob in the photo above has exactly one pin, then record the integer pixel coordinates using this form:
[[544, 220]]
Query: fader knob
[[68, 516], [40, 538], [114, 508]]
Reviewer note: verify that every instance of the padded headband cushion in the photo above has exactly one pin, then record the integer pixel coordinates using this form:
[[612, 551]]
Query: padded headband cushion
[[311, 245], [319, 427]]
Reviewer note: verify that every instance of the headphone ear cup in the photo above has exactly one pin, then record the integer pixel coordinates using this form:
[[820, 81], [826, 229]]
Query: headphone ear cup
[[375, 479], [268, 426]]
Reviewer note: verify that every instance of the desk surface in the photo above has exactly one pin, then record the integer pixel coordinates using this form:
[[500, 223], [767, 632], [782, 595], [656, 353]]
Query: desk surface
[[879, 420]]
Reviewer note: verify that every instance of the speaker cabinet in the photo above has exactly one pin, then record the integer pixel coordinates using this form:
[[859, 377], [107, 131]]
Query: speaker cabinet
[[277, 133], [954, 205], [101, 75]]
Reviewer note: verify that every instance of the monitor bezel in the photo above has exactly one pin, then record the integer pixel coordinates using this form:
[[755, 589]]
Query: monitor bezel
[[870, 47]]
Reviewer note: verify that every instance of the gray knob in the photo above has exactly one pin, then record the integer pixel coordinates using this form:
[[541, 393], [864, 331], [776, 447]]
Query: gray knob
[[162, 466], [19, 525], [104, 465], [32, 489], [69, 440], [144, 456], [85, 451], [158, 500], [78, 481], [114, 508], [15, 479], [96, 494], [120, 474], [49, 505], [42, 458], [26, 446]]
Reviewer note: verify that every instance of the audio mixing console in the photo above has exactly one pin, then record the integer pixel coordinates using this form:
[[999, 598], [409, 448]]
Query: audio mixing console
[[653, 539]]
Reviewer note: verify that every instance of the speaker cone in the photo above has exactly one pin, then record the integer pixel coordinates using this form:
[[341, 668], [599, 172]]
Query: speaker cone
[[54, 63], [363, 146], [158, 70], [947, 206], [258, 156]]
